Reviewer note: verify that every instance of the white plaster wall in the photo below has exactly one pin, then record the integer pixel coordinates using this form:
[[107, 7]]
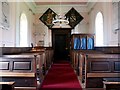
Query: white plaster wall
[[110, 39], [7, 35], [21, 7], [10, 37], [114, 35], [82, 27], [0, 24], [37, 31], [42, 32]]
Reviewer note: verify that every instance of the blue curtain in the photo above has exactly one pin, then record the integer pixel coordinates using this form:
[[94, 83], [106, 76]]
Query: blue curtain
[[90, 43], [83, 43], [77, 43]]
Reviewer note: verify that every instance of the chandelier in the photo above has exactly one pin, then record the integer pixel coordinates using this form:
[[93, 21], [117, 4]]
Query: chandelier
[[60, 20]]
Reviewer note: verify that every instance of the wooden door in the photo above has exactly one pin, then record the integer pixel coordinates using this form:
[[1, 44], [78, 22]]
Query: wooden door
[[61, 43]]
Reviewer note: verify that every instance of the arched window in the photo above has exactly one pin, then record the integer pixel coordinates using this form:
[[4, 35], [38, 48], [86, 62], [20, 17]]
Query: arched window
[[23, 31], [99, 29]]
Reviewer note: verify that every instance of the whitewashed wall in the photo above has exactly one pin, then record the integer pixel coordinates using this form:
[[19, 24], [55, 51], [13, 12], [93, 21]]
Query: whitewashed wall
[[41, 31], [7, 35], [22, 7], [114, 34], [82, 27], [110, 17], [10, 37]]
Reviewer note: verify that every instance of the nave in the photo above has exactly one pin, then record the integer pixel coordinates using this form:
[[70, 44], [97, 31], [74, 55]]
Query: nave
[[35, 34]]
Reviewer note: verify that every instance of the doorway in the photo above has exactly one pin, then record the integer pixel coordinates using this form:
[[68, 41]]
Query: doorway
[[61, 43]]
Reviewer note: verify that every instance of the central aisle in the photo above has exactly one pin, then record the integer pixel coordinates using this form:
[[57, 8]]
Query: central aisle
[[61, 76]]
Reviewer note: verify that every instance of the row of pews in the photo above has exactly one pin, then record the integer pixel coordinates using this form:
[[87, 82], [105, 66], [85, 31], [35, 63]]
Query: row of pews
[[26, 69], [97, 68]]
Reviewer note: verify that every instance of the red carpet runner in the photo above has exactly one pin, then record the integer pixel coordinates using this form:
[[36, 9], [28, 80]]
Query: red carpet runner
[[61, 76]]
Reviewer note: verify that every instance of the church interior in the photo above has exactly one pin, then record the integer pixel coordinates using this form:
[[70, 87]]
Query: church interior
[[59, 45]]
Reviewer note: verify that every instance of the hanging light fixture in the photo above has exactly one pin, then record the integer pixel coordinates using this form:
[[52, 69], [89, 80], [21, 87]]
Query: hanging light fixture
[[60, 20]]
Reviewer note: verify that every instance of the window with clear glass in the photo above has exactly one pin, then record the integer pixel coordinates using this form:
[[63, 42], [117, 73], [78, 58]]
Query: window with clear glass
[[23, 31], [99, 29]]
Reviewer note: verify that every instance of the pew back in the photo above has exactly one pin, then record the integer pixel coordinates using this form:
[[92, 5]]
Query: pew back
[[40, 61], [99, 66], [78, 61], [19, 68]]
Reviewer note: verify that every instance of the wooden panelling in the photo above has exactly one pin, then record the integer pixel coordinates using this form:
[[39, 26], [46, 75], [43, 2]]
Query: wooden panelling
[[105, 82], [109, 49], [16, 74], [117, 66], [99, 66], [78, 61], [9, 83], [26, 68], [21, 65], [102, 62], [4, 65], [103, 74], [25, 88], [111, 85], [94, 83], [22, 82], [22, 70], [14, 50], [104, 56], [96, 65]]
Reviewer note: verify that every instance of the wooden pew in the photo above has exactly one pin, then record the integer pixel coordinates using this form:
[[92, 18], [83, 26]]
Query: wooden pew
[[40, 63], [99, 66], [111, 85], [79, 61], [48, 57], [109, 49], [21, 69], [82, 55], [14, 50], [46, 54], [74, 58]]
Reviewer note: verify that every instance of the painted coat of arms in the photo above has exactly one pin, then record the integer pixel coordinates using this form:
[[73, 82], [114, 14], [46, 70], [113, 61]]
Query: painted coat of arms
[[48, 17]]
